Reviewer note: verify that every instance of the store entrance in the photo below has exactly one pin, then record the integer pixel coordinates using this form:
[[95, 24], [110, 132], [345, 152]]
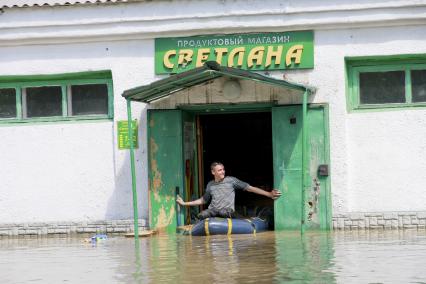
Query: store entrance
[[263, 148], [243, 143]]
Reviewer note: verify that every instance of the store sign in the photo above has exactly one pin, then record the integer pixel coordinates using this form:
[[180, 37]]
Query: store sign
[[260, 51], [123, 134]]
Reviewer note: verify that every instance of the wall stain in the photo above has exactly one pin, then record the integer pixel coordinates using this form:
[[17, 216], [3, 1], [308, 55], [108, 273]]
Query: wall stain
[[164, 219], [156, 178]]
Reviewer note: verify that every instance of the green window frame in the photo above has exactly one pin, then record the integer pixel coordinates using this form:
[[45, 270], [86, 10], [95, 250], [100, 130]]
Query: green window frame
[[357, 65], [64, 81]]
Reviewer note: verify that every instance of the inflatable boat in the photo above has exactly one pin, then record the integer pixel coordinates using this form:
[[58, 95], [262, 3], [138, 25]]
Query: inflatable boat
[[228, 226]]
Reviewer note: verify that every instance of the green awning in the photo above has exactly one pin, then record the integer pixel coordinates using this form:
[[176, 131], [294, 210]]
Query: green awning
[[209, 71]]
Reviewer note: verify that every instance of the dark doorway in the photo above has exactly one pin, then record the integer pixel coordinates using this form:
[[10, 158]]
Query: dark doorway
[[243, 143]]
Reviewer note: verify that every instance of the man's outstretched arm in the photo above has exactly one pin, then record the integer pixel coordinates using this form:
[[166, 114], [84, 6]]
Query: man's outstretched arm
[[274, 194], [199, 201]]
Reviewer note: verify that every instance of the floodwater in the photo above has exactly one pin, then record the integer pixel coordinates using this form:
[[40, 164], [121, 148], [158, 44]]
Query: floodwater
[[270, 257]]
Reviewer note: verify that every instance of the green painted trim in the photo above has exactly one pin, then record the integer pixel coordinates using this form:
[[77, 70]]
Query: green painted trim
[[348, 86], [18, 103], [305, 170], [408, 90], [392, 107], [133, 171], [355, 65], [329, 206], [102, 74], [384, 59], [382, 68], [110, 89], [355, 98], [47, 83], [149, 164], [64, 90], [53, 120], [221, 108], [180, 210]]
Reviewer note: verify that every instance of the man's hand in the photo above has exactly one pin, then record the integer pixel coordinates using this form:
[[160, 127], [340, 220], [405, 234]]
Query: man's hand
[[274, 194], [180, 201], [196, 202]]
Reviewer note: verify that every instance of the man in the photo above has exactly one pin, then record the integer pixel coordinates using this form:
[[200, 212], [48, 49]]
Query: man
[[221, 191]]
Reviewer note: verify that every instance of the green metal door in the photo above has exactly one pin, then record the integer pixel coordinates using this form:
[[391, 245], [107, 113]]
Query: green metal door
[[318, 199], [190, 166], [165, 167], [287, 159]]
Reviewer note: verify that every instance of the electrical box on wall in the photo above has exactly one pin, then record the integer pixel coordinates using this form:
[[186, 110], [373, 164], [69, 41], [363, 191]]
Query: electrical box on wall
[[323, 170]]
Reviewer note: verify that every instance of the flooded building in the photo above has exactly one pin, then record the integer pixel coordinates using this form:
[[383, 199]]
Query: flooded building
[[323, 100]]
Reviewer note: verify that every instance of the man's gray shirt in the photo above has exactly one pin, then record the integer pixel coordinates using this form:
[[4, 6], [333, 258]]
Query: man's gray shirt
[[222, 193]]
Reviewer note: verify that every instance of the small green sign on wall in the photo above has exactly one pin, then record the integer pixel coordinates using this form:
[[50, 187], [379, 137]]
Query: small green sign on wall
[[123, 134]]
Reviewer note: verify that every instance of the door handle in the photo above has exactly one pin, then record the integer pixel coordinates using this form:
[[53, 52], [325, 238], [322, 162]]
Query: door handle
[[177, 207]]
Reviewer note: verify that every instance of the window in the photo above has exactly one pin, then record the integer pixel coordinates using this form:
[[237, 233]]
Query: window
[[7, 103], [56, 97], [384, 82], [42, 101], [89, 99], [418, 81], [381, 87]]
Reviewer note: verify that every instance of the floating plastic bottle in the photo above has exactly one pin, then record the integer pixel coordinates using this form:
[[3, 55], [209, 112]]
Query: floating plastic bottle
[[99, 237]]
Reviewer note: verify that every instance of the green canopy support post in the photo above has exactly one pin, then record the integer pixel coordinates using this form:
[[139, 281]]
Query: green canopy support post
[[305, 169], [132, 165]]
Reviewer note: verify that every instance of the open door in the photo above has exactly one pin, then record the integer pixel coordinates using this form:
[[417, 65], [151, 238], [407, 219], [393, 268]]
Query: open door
[[172, 167], [190, 166], [165, 167], [318, 198], [287, 161]]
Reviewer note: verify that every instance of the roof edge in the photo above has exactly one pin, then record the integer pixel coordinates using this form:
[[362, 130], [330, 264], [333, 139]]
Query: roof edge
[[210, 70]]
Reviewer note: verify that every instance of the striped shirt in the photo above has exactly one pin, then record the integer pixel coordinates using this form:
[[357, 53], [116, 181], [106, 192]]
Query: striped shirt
[[222, 193]]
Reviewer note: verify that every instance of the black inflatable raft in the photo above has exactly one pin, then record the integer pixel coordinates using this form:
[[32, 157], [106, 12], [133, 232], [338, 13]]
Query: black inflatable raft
[[228, 226]]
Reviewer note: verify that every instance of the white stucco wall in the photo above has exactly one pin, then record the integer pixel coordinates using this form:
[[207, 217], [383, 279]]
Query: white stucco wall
[[378, 158], [74, 171], [56, 172]]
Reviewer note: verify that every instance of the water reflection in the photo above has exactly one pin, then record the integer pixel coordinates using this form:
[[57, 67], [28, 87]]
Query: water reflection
[[265, 258], [304, 258], [271, 257], [380, 257]]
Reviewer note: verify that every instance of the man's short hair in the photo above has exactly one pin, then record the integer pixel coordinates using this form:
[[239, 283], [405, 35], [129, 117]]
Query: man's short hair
[[214, 164]]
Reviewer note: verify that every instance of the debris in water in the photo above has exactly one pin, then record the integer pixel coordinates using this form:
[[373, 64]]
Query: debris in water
[[144, 233], [99, 237]]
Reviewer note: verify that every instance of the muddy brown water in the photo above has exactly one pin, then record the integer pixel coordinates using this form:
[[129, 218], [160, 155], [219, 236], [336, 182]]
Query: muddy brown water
[[270, 257]]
